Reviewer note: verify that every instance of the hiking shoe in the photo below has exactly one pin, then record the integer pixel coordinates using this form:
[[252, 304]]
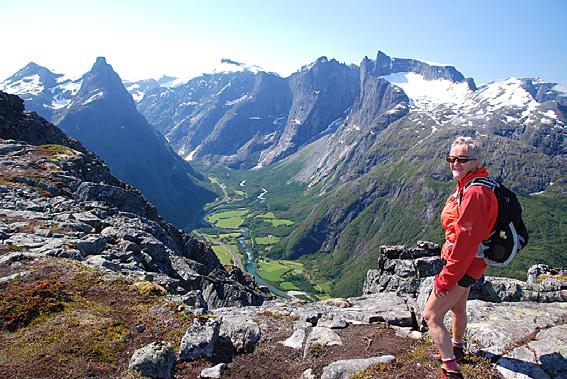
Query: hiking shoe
[[458, 351], [447, 374]]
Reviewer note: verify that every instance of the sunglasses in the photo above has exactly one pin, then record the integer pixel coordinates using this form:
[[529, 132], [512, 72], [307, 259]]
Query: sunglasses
[[452, 159]]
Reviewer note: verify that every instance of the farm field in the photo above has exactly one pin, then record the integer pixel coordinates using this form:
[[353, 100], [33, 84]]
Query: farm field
[[224, 256], [274, 272], [228, 219], [269, 240]]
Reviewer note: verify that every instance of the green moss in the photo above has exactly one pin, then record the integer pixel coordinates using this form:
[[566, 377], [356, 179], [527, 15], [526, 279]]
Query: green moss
[[59, 152]]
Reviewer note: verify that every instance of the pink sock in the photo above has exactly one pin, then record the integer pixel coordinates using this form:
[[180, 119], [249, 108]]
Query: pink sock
[[451, 364], [457, 344]]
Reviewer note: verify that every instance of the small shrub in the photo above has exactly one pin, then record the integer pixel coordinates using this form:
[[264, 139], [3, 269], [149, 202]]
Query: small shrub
[[316, 350], [373, 371], [543, 277], [21, 304], [150, 289]]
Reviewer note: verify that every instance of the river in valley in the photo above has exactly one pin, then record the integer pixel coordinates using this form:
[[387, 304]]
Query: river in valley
[[252, 269]]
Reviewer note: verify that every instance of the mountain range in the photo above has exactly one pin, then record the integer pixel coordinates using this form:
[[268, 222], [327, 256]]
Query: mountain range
[[366, 141], [98, 111]]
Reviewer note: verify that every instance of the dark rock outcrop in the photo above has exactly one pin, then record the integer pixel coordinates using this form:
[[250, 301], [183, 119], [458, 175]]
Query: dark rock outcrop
[[404, 270], [17, 125]]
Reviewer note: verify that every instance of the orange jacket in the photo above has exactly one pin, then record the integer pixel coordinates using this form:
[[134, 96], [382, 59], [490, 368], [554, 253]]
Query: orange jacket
[[466, 226]]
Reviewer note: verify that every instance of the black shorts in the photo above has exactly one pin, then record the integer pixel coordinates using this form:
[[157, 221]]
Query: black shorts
[[468, 281]]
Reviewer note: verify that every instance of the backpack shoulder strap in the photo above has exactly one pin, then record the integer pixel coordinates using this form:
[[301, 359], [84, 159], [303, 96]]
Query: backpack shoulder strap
[[486, 182]]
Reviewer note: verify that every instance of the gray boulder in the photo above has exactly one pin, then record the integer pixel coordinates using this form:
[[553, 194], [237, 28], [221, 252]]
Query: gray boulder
[[214, 372], [101, 263], [91, 245], [155, 360], [380, 307], [199, 340], [295, 341], [338, 322], [346, 368], [242, 332], [402, 269], [321, 337]]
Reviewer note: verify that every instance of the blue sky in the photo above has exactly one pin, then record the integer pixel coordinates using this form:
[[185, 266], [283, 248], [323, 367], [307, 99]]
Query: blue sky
[[486, 40]]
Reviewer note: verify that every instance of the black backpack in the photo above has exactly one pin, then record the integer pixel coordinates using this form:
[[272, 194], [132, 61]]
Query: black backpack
[[509, 234]]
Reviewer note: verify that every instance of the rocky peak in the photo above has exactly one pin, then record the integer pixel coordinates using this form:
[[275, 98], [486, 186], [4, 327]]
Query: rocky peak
[[384, 65], [103, 81], [47, 77], [543, 91], [322, 94]]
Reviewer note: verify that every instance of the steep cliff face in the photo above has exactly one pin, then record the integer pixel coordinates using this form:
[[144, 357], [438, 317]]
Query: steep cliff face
[[247, 119], [250, 126], [60, 200], [323, 93]]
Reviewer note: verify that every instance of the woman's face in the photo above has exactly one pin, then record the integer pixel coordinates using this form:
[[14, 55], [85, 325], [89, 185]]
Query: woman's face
[[460, 170]]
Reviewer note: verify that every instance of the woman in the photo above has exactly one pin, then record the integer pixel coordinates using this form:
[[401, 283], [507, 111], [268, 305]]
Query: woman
[[468, 218]]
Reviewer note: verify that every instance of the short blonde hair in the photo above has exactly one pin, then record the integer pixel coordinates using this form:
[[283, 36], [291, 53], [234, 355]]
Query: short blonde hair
[[473, 146]]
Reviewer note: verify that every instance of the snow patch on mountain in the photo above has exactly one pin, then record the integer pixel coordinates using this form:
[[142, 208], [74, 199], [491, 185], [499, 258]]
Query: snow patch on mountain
[[507, 93], [560, 88], [191, 155], [97, 95], [428, 94], [65, 92], [29, 85], [173, 82], [236, 101]]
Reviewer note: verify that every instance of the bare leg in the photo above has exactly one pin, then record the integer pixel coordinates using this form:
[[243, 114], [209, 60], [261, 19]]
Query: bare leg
[[459, 320], [434, 314]]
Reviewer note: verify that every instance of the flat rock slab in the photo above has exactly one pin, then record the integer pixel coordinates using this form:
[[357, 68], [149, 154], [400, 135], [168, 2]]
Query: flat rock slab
[[543, 357], [380, 307], [346, 368], [243, 332], [496, 328]]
